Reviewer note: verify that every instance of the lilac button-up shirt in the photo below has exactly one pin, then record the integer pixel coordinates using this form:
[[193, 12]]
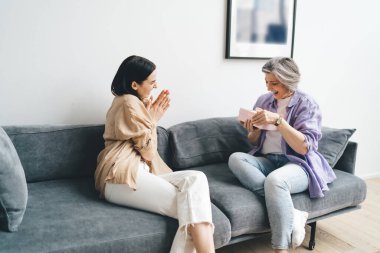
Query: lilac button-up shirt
[[304, 115]]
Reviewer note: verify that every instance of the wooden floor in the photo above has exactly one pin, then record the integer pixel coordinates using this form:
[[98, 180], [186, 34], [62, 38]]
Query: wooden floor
[[353, 232]]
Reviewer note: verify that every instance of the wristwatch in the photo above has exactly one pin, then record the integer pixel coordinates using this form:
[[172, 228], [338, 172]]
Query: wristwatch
[[278, 121]]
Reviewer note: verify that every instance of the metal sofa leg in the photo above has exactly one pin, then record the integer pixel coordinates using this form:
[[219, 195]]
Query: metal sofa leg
[[313, 227]]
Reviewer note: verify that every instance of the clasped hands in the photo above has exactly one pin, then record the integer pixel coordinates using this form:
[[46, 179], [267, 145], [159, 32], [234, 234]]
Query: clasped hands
[[261, 117], [158, 107]]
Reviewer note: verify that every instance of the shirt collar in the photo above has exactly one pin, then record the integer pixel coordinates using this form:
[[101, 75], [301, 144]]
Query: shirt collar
[[295, 97]]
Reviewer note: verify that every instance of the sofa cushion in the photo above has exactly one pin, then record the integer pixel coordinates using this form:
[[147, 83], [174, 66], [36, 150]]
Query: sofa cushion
[[57, 152], [13, 189], [67, 216], [53, 152], [333, 143], [208, 141], [246, 211], [347, 190]]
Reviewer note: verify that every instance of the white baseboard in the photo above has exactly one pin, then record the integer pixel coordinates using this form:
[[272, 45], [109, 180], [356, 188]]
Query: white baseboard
[[369, 176]]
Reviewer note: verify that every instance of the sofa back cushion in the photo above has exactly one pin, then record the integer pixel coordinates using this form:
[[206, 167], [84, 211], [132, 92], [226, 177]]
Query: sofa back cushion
[[56, 152], [206, 141]]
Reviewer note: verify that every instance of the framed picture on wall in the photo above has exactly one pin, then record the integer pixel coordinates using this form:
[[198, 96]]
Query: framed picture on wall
[[260, 29]]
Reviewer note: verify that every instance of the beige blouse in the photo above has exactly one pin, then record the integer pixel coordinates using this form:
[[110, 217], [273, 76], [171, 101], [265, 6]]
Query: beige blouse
[[129, 132]]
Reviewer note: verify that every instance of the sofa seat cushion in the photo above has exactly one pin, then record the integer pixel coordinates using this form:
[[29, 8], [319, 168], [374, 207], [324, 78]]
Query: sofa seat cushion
[[244, 209], [67, 216], [346, 191], [247, 212]]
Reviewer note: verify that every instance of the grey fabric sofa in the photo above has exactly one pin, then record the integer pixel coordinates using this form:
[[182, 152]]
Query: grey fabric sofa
[[64, 213]]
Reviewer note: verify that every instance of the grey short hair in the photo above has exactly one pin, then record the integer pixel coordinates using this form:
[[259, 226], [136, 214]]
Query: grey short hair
[[285, 70]]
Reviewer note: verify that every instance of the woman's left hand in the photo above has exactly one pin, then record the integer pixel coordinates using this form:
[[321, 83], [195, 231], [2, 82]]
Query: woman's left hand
[[158, 108], [264, 117]]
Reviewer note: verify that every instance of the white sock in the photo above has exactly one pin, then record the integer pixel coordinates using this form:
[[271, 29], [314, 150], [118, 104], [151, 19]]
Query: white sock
[[299, 222]]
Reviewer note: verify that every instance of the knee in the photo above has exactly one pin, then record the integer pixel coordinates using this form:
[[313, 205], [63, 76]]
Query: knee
[[275, 181], [197, 176], [234, 159]]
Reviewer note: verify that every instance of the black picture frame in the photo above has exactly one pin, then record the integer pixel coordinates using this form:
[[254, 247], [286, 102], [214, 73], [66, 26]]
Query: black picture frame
[[260, 29]]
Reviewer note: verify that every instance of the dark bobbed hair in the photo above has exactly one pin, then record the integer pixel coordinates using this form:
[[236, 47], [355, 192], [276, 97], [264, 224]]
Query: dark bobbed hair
[[134, 68]]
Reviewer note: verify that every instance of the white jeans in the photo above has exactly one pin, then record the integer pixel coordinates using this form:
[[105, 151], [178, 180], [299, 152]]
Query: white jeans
[[183, 195]]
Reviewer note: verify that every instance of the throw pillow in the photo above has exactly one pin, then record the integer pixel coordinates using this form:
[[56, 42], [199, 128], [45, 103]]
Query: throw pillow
[[333, 143], [13, 189]]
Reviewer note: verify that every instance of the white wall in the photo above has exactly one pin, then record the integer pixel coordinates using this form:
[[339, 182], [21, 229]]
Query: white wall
[[58, 58], [337, 47]]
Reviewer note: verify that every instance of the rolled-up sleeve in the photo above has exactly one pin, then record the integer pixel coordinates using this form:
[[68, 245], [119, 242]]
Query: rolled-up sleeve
[[136, 126], [308, 121], [144, 141]]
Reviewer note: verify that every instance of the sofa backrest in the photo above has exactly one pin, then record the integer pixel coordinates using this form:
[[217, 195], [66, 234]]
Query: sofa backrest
[[57, 152], [348, 159]]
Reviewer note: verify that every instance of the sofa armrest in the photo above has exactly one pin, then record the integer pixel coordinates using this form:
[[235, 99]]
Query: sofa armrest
[[348, 159]]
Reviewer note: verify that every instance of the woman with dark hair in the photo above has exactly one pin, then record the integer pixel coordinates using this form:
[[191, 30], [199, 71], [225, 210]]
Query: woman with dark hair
[[130, 171], [284, 160]]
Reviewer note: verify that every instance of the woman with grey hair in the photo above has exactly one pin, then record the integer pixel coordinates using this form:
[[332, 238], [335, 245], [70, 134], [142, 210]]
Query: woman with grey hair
[[284, 128]]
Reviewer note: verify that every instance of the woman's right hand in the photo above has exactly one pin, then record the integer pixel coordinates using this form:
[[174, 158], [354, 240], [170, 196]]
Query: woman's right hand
[[253, 132], [158, 108], [249, 126]]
